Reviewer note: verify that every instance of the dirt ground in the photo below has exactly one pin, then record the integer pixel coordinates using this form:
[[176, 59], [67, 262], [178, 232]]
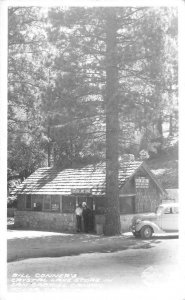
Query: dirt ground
[[31, 244], [47, 261]]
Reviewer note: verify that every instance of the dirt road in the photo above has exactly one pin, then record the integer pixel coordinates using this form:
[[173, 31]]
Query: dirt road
[[42, 261]]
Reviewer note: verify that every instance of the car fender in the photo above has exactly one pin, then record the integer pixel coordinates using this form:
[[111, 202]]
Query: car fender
[[154, 226]]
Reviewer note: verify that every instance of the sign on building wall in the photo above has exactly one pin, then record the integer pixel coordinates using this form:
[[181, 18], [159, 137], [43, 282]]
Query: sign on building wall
[[81, 191], [142, 183], [55, 207]]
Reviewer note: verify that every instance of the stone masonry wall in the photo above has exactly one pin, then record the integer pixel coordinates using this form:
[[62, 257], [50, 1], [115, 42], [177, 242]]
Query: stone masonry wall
[[60, 222], [45, 221]]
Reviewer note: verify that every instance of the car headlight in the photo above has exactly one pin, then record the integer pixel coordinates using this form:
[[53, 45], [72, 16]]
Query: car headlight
[[138, 221]]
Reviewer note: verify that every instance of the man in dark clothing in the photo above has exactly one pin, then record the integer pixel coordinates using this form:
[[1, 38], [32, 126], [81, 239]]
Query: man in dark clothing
[[86, 217]]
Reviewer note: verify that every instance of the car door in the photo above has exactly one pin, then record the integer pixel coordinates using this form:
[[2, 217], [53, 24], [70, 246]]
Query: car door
[[169, 219], [175, 214]]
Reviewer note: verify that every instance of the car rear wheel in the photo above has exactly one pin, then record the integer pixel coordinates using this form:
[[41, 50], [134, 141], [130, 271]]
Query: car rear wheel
[[146, 232]]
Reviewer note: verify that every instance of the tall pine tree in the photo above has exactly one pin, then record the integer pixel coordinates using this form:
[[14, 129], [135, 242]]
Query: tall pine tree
[[114, 54]]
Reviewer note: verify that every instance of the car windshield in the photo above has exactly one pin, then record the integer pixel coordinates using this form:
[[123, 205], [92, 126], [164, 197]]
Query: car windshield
[[159, 210]]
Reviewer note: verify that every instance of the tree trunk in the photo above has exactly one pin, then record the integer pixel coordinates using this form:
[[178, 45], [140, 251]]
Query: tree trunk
[[112, 218], [49, 148]]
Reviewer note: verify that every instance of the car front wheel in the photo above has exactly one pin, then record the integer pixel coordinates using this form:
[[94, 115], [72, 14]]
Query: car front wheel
[[137, 234], [146, 232]]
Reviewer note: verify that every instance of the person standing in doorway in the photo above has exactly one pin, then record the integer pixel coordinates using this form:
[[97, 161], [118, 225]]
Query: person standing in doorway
[[86, 216], [78, 213]]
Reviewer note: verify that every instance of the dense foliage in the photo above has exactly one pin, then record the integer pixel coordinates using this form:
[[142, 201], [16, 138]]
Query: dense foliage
[[25, 79]]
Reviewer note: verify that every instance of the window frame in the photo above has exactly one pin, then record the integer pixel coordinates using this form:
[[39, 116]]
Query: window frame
[[53, 200], [37, 200], [167, 210]]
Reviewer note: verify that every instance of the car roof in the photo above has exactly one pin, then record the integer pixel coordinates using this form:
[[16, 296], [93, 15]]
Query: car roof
[[169, 204]]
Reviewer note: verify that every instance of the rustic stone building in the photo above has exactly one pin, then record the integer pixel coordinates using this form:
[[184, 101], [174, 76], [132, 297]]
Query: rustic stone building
[[47, 199]]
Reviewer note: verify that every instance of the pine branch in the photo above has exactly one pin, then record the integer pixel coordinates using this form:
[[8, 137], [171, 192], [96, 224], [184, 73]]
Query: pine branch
[[24, 82]]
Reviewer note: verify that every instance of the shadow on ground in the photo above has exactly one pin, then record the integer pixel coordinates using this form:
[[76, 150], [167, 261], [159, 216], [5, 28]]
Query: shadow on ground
[[165, 237], [59, 245]]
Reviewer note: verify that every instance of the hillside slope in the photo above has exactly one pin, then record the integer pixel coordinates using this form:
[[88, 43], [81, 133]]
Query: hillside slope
[[166, 170]]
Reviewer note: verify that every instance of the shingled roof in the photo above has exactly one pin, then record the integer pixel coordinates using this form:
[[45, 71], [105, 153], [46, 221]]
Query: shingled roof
[[52, 181]]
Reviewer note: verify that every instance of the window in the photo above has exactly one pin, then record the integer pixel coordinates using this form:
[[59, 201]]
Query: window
[[55, 203], [68, 204], [127, 205], [167, 210], [28, 201], [47, 202], [175, 210], [37, 202]]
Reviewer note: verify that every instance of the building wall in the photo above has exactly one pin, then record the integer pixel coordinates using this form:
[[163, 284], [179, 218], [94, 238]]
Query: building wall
[[147, 199], [45, 221], [60, 222], [11, 212], [128, 188], [124, 219]]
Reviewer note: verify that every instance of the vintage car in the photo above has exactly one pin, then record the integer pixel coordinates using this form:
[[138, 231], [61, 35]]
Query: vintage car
[[164, 220]]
